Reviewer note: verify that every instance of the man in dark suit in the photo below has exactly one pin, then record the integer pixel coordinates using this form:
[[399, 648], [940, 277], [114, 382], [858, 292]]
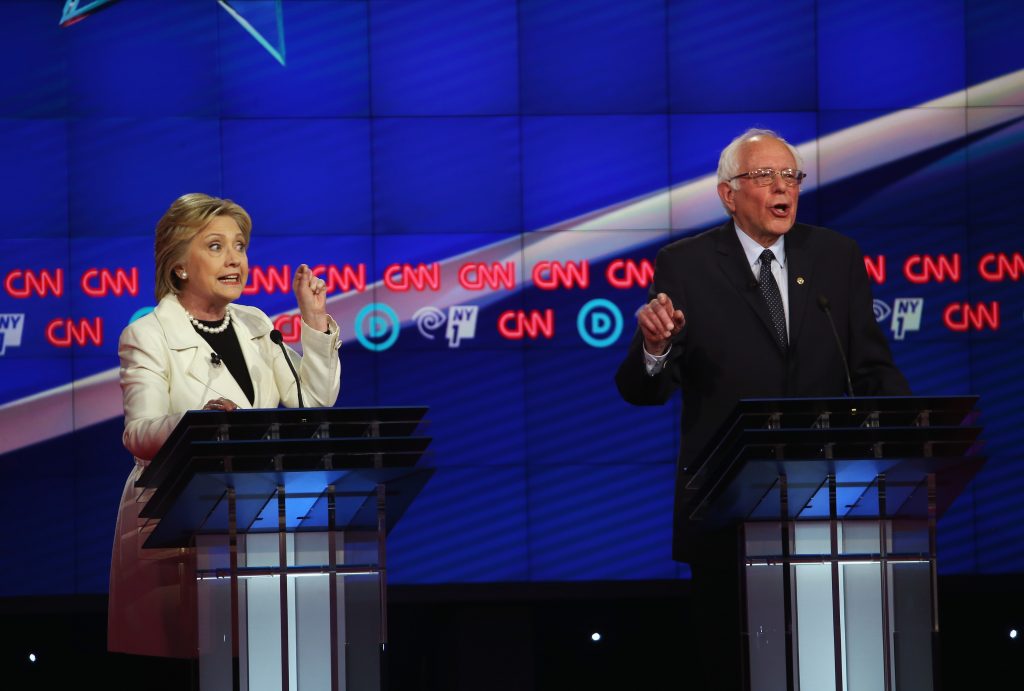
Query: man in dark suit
[[736, 312]]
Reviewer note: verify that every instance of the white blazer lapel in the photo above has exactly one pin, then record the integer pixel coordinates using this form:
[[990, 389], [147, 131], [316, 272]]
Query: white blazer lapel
[[195, 355], [215, 378]]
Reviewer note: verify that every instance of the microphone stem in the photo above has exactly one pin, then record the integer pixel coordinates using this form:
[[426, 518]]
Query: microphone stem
[[275, 336], [839, 344], [298, 384]]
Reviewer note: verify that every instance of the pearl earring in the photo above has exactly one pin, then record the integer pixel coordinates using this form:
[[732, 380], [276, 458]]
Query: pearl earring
[[183, 275]]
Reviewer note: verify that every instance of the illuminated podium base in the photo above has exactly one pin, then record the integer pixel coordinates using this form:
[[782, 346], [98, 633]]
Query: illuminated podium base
[[858, 621], [836, 501], [312, 624], [288, 512]]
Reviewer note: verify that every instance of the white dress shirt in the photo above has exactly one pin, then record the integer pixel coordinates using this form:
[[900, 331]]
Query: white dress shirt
[[752, 250]]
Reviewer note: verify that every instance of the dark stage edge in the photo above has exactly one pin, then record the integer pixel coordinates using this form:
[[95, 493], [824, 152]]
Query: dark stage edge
[[509, 636]]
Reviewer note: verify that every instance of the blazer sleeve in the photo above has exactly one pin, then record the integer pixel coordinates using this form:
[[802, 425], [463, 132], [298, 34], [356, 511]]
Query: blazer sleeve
[[635, 385], [871, 365], [145, 387], [319, 368]]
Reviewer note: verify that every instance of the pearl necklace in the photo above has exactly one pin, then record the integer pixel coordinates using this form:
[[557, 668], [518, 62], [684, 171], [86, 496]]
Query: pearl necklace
[[211, 329]]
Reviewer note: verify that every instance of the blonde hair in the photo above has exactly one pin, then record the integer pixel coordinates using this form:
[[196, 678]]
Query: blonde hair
[[188, 215]]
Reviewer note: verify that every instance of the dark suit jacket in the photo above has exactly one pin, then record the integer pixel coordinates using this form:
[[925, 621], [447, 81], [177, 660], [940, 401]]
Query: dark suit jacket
[[726, 350]]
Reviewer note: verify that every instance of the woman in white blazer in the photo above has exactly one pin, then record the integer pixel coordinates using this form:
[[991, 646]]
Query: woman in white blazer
[[197, 350]]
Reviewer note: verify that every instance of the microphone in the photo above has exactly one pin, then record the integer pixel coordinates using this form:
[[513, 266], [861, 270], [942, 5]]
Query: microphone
[[276, 337], [826, 307], [215, 359]]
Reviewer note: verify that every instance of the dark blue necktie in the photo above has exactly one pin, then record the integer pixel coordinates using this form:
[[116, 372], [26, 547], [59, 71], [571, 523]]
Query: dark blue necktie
[[770, 291]]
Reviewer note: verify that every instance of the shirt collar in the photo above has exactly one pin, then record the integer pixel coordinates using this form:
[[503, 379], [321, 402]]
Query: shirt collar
[[754, 250]]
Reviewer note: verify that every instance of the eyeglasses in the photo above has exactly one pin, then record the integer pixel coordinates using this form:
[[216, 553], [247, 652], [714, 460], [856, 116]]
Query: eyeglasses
[[762, 177]]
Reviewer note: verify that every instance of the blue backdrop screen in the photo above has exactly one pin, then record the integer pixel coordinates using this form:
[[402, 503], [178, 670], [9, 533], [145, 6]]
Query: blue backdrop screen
[[510, 167]]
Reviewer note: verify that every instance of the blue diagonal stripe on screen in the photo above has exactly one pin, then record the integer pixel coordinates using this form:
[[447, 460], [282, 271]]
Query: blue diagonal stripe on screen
[[476, 401], [462, 509], [601, 521], [568, 385]]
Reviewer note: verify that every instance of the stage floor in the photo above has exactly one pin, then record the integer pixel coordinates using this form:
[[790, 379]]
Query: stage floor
[[515, 637]]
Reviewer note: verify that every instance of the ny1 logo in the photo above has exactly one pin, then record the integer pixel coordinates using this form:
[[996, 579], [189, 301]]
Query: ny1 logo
[[906, 315], [11, 328], [460, 320]]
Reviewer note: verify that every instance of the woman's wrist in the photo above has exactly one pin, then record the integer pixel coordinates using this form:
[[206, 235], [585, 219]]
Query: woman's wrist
[[320, 321]]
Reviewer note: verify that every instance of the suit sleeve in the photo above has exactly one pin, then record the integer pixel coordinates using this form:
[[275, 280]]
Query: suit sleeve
[[319, 368], [145, 387], [871, 365], [634, 384]]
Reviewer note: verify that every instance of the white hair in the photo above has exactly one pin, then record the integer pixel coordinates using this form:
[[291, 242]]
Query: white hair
[[729, 161]]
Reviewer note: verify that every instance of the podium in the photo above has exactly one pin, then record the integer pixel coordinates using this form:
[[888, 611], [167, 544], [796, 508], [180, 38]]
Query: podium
[[288, 511], [836, 501]]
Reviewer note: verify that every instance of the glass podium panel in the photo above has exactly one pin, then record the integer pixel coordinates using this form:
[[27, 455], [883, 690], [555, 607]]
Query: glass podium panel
[[315, 621], [863, 602]]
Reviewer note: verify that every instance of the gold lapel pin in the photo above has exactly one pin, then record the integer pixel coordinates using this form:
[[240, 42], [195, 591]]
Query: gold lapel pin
[[799, 280]]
